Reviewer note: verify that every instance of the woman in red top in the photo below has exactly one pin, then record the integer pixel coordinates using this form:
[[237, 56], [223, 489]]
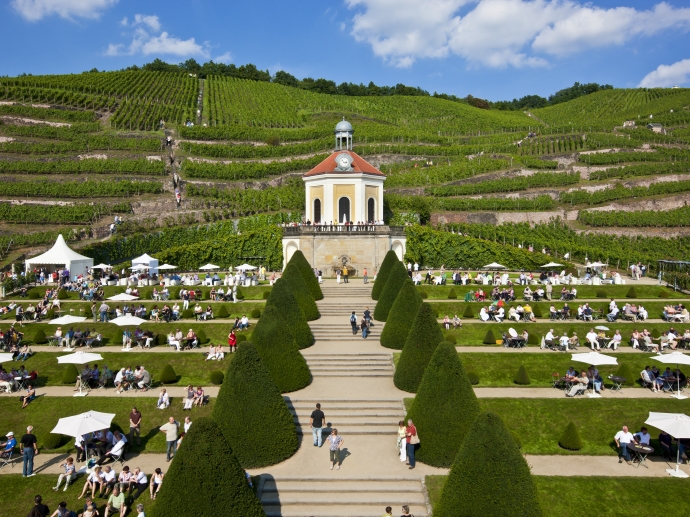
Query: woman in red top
[[232, 341], [411, 431]]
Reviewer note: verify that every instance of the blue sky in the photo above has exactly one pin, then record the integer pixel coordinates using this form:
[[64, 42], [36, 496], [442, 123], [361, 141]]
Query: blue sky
[[495, 49]]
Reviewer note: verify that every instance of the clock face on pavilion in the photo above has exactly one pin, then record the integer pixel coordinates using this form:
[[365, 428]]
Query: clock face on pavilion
[[344, 162]]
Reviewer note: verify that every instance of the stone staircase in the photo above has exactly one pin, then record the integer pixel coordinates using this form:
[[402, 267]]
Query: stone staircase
[[337, 497], [341, 330]]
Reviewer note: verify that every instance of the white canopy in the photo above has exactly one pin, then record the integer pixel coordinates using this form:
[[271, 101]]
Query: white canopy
[[127, 320], [6, 358], [597, 264], [166, 266], [678, 426], [208, 267], [146, 261], [494, 265], [674, 358], [123, 297], [79, 358], [245, 267], [67, 320], [552, 264], [102, 266], [62, 255], [84, 423]]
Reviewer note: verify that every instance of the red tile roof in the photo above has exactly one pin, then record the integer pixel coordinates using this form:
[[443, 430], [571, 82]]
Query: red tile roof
[[359, 166]]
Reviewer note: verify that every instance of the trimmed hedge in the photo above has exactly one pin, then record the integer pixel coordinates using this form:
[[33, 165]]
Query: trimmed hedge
[[300, 290], [468, 313], [241, 338], [451, 338], [62, 294], [307, 273], [452, 295], [51, 441], [601, 294], [279, 353], [382, 275], [489, 338], [489, 476], [663, 294], [631, 293], [201, 336], [239, 294], [39, 337], [395, 281], [69, 374], [256, 313], [289, 311], [625, 372], [521, 377], [473, 377], [206, 476], [401, 316], [445, 395], [421, 343], [222, 312], [570, 439], [217, 377], [168, 375], [248, 400]]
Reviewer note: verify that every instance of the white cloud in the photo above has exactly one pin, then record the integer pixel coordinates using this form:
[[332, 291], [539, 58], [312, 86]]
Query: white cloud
[[34, 10], [223, 58], [500, 33], [145, 41], [667, 75]]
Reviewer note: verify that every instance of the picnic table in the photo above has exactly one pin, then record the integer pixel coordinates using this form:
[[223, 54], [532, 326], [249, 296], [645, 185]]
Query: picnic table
[[640, 453]]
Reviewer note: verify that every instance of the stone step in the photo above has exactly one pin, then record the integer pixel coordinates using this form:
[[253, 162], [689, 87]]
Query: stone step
[[338, 364], [334, 414], [342, 485], [356, 430], [335, 367], [350, 499], [373, 422], [351, 374], [336, 510], [394, 407]]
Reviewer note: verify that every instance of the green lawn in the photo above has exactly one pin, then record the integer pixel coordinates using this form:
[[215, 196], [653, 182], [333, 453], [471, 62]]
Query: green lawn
[[44, 412], [600, 496], [539, 423], [190, 368]]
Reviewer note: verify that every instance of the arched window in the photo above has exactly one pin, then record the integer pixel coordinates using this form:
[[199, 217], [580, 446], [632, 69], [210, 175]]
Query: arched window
[[343, 209], [317, 211], [371, 210]]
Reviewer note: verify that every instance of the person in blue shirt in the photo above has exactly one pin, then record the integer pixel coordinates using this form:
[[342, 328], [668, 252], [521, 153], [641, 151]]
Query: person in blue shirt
[[9, 444]]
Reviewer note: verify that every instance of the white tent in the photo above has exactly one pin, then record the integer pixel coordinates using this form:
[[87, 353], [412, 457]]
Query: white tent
[[146, 261], [61, 255]]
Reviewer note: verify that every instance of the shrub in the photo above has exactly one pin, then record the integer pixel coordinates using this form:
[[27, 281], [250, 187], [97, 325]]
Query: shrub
[[521, 377], [34, 295], [395, 281], [248, 399], [256, 313], [188, 314], [468, 313], [201, 335], [570, 439], [161, 339], [279, 352], [299, 289], [663, 294], [489, 476], [536, 310], [401, 316], [421, 342], [241, 337], [533, 339], [489, 338], [382, 275], [305, 269], [601, 293], [423, 294], [452, 295], [39, 337], [239, 294], [62, 294], [168, 375], [69, 374], [445, 395], [222, 312], [631, 293], [451, 338], [174, 293], [206, 466], [473, 377], [516, 438], [266, 294], [217, 377], [655, 333], [51, 441], [625, 372], [288, 310]]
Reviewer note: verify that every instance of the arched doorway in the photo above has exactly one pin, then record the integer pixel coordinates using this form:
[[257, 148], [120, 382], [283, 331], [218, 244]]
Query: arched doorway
[[317, 211], [343, 209], [371, 210], [290, 250]]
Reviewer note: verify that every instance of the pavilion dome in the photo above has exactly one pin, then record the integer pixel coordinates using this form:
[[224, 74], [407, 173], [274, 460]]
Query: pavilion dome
[[343, 126]]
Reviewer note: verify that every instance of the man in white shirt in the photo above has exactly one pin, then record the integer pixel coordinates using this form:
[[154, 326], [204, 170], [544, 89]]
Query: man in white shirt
[[623, 439], [643, 437], [617, 340], [140, 481], [565, 341], [549, 338], [500, 314], [592, 339]]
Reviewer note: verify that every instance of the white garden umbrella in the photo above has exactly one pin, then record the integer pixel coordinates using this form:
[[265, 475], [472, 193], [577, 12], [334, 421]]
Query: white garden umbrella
[[674, 358], [675, 424], [208, 267], [245, 267], [595, 359], [79, 358], [552, 264], [67, 320], [123, 297], [84, 423], [6, 358], [601, 327], [126, 321], [102, 266], [139, 267], [494, 265], [597, 264], [166, 266]]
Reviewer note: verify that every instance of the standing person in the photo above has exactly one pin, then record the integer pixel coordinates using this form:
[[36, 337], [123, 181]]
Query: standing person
[[345, 274], [365, 328], [549, 290], [170, 429], [412, 440], [232, 341], [39, 508], [316, 422], [402, 440], [353, 323], [389, 512], [367, 316], [29, 448], [336, 442], [365, 276], [135, 425], [623, 439]]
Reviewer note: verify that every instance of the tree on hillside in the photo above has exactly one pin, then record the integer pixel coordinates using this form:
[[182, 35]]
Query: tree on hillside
[[420, 346], [489, 476], [395, 281], [401, 316], [383, 272], [289, 310], [247, 401], [300, 261], [299, 289], [204, 477], [444, 395]]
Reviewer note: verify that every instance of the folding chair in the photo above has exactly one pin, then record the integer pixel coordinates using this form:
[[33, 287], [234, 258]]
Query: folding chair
[[557, 381], [149, 385], [6, 458]]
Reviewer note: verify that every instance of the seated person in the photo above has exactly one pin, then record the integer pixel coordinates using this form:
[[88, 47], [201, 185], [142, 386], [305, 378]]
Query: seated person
[[564, 341], [191, 339], [574, 341], [635, 339], [30, 395], [211, 355], [457, 323], [527, 294], [116, 503], [244, 322], [176, 311], [172, 341], [579, 384], [198, 311], [500, 314], [8, 445], [484, 314], [643, 437], [163, 400], [549, 339], [616, 340], [116, 450], [648, 378], [593, 339]]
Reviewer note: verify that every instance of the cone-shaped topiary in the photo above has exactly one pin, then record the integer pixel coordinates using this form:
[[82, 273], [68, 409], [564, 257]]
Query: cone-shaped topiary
[[256, 314], [401, 316], [423, 294], [279, 353], [533, 339], [248, 400], [289, 311], [299, 289], [62, 294], [222, 312], [451, 338], [201, 336], [395, 281], [468, 313], [489, 338], [601, 293], [168, 375], [445, 395], [663, 294], [39, 337], [473, 377], [631, 293], [307, 273], [206, 469], [625, 372], [217, 377], [655, 333], [536, 310], [382, 275], [571, 438], [421, 343], [489, 476], [452, 295], [69, 374], [239, 293], [521, 377]]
